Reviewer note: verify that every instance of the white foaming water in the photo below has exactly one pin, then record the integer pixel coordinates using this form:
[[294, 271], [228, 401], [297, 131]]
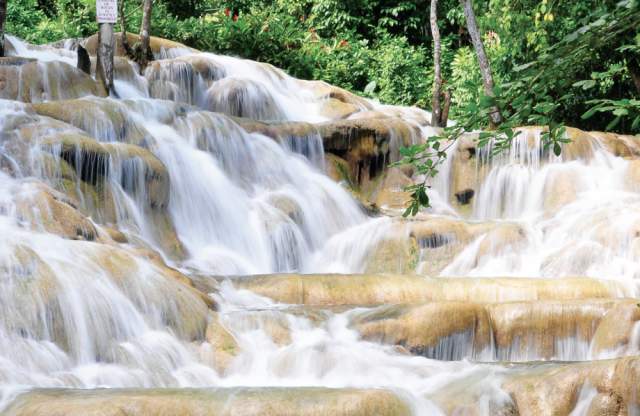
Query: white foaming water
[[579, 217], [325, 351]]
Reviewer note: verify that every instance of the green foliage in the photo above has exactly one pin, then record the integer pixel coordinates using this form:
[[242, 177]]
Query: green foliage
[[382, 48], [531, 97], [625, 111]]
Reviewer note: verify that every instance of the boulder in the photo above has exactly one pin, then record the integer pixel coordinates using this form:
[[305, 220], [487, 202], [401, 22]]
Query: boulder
[[324, 91], [154, 288], [615, 331], [33, 81], [438, 330], [94, 161], [553, 389], [104, 119], [45, 209], [335, 109], [240, 97], [183, 78]]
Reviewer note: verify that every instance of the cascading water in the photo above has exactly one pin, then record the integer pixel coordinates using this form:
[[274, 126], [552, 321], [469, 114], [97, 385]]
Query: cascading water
[[216, 167]]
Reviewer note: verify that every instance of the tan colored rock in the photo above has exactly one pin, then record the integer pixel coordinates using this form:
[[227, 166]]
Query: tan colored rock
[[620, 145], [311, 401], [335, 109], [160, 47], [50, 211], [328, 289], [93, 160], [390, 193], [528, 330], [33, 82], [103, 119], [559, 190], [225, 347], [182, 78], [605, 404], [429, 329], [632, 177], [324, 91], [467, 173], [500, 238], [34, 283], [395, 254], [522, 327], [338, 169], [553, 389], [153, 283], [240, 97], [368, 145], [616, 328]]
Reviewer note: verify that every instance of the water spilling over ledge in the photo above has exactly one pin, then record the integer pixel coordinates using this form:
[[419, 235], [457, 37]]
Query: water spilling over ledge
[[224, 236]]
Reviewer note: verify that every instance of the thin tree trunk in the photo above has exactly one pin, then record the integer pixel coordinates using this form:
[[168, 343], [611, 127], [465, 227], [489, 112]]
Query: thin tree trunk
[[123, 28], [633, 66], [104, 68], [3, 17], [436, 115], [445, 109], [145, 30], [483, 62]]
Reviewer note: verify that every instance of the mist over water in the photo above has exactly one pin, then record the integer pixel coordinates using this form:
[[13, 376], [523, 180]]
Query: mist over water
[[172, 166]]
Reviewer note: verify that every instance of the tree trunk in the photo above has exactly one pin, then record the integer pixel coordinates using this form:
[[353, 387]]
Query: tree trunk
[[3, 17], [445, 109], [145, 30], [436, 115], [483, 62], [104, 67], [123, 29], [633, 65]]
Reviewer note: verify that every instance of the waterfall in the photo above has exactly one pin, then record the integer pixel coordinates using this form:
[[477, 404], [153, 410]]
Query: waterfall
[[187, 234]]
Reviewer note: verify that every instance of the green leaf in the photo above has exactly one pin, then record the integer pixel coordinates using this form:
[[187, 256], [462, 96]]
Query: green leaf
[[613, 123], [557, 149], [422, 197], [620, 112], [586, 84]]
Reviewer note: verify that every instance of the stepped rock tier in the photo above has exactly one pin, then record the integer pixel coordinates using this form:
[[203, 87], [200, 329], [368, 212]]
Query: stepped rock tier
[[219, 238]]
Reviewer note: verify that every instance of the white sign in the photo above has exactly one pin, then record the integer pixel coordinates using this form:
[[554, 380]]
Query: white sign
[[107, 11]]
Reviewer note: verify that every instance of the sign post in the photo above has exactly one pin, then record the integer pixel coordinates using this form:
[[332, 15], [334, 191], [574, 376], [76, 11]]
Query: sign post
[[107, 15]]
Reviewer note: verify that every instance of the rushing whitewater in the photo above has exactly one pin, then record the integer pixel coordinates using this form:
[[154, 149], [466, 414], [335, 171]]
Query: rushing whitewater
[[210, 174]]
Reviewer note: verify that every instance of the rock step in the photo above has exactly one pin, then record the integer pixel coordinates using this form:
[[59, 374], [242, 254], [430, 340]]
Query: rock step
[[374, 289], [208, 402], [607, 387], [513, 331]]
